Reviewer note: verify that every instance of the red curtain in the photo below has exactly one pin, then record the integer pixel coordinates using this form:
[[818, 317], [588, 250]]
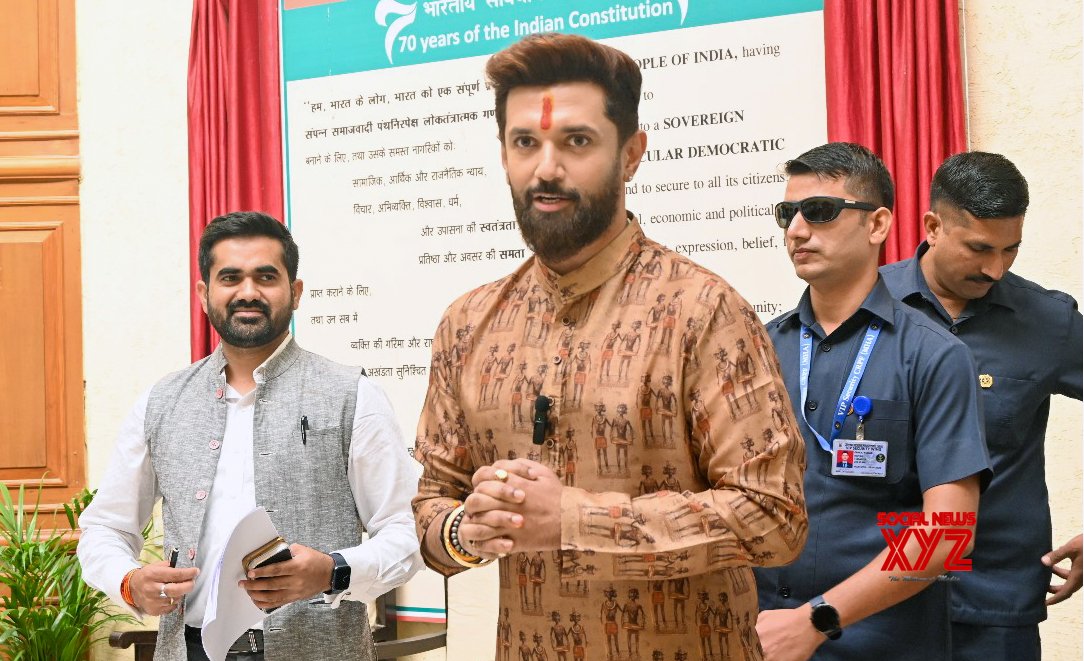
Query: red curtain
[[234, 127], [895, 85]]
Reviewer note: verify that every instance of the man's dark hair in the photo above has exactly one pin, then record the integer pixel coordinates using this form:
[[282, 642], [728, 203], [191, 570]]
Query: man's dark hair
[[864, 175], [983, 184], [240, 224], [551, 58]]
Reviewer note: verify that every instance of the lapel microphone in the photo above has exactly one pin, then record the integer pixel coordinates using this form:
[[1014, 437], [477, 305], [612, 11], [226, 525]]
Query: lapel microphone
[[541, 419]]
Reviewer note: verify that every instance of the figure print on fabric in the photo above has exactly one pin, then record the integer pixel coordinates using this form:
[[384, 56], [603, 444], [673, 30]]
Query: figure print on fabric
[[645, 367], [666, 405], [620, 525], [575, 574], [609, 348]]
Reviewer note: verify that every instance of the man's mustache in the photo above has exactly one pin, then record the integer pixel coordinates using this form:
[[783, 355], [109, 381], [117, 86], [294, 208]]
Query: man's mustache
[[553, 188], [248, 306], [981, 278]]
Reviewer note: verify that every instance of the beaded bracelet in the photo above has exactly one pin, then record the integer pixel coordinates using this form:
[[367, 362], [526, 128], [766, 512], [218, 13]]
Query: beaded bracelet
[[450, 537], [126, 588]]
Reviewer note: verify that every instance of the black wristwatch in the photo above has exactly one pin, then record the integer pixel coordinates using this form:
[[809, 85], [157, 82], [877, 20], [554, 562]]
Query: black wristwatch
[[825, 618], [340, 574]]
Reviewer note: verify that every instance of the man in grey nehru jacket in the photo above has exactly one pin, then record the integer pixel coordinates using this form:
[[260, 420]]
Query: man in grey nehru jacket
[[258, 422]]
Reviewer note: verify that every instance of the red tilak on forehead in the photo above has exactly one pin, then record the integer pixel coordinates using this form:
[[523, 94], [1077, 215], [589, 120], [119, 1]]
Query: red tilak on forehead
[[547, 112]]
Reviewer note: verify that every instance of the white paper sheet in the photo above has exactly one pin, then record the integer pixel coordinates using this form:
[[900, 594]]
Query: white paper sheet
[[230, 611]]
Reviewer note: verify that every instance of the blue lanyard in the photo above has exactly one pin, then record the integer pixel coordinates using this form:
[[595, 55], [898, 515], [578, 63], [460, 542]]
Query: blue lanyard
[[805, 344]]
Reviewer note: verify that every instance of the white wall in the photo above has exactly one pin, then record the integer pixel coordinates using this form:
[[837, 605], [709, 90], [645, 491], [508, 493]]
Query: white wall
[[132, 73], [1024, 84]]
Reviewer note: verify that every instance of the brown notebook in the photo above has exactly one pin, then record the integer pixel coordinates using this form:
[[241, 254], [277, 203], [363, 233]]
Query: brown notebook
[[276, 550]]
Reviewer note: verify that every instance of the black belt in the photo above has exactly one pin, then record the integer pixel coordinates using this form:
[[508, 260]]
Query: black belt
[[250, 642]]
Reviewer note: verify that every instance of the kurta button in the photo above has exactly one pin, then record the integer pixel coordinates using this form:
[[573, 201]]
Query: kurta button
[[954, 330], [784, 592], [811, 405], [826, 347], [218, 393], [201, 494], [192, 553], [214, 445], [566, 321], [556, 360]]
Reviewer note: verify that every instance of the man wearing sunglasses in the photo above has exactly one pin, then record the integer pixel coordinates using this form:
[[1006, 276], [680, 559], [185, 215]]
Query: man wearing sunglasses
[[1026, 342], [888, 405]]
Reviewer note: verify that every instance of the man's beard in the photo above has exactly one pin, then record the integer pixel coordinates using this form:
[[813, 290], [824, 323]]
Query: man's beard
[[250, 333], [555, 236]]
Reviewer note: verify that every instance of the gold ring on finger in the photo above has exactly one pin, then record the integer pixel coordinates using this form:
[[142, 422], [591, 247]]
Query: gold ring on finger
[[501, 474]]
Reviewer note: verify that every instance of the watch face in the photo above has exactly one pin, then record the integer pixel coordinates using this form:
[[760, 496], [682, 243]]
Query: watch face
[[340, 574], [825, 618]]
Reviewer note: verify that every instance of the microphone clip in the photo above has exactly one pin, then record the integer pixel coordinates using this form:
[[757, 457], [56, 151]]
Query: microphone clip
[[541, 419]]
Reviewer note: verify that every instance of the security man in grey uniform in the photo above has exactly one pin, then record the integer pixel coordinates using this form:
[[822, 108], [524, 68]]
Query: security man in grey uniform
[[1026, 342], [258, 422], [889, 411]]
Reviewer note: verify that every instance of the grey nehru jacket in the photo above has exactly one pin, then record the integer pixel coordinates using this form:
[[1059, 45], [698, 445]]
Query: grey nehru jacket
[[303, 487]]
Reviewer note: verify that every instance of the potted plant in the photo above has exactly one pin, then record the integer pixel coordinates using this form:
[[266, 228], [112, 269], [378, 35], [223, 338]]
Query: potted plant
[[49, 613]]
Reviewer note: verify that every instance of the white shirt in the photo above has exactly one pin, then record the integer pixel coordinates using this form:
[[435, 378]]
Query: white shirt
[[382, 476]]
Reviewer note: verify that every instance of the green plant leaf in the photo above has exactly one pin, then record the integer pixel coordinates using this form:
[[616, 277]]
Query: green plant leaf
[[50, 613]]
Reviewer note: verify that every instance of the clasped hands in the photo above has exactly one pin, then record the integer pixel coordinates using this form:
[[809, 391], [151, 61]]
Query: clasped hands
[[515, 506]]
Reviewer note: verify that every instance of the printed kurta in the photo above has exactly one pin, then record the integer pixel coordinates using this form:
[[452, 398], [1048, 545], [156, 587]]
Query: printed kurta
[[670, 428]]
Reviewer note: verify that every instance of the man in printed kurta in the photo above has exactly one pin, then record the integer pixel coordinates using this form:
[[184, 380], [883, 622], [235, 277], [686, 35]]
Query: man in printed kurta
[[580, 534]]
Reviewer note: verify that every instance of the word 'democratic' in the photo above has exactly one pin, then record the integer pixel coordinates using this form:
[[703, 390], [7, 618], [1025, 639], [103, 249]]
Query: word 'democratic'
[[925, 531]]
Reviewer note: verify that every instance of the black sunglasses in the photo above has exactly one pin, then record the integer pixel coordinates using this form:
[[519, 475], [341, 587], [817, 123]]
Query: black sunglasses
[[817, 209]]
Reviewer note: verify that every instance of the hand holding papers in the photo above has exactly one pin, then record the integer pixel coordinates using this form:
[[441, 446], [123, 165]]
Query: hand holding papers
[[230, 611], [277, 550]]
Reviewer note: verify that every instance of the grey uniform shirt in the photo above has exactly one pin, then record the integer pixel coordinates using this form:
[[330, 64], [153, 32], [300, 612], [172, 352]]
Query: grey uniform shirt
[[924, 397], [1028, 341]]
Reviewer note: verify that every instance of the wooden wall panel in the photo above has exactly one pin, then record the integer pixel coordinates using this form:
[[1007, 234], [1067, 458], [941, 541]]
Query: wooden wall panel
[[42, 431], [37, 66], [19, 46], [22, 363], [31, 53]]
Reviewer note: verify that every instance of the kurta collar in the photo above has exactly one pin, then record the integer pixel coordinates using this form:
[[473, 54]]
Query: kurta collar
[[611, 260]]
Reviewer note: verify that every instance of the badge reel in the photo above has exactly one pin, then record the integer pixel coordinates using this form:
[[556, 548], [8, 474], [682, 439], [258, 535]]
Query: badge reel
[[860, 457]]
